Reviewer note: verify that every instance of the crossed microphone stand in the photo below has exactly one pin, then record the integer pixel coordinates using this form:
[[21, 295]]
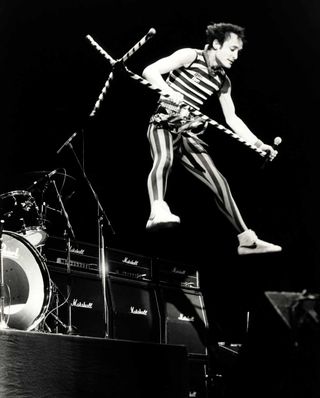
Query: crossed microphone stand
[[101, 214]]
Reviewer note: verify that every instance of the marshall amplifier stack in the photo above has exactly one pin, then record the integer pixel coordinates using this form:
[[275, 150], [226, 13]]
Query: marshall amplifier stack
[[132, 303], [184, 319], [149, 299], [181, 305], [133, 299], [86, 297]]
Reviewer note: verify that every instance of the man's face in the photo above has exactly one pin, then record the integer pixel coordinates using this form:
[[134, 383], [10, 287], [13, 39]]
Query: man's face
[[228, 52]]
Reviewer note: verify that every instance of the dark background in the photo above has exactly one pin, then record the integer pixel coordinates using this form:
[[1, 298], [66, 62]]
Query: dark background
[[51, 77]]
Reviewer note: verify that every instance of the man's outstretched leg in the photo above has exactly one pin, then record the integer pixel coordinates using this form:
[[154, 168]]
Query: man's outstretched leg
[[250, 244]]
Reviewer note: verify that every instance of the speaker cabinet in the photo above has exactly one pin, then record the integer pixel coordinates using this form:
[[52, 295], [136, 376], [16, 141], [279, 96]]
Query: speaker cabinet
[[184, 319], [135, 311], [86, 299], [132, 307]]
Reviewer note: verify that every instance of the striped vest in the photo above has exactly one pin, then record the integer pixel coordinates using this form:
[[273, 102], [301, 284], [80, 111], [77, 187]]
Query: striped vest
[[196, 82]]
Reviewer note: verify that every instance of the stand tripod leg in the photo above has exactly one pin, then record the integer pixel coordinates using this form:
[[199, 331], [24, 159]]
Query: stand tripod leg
[[70, 328], [59, 300], [3, 323]]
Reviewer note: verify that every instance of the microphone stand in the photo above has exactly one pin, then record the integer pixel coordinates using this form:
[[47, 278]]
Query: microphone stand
[[103, 266], [101, 215], [3, 323], [68, 231]]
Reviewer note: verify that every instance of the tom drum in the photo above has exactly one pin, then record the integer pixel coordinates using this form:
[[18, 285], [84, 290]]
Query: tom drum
[[21, 214]]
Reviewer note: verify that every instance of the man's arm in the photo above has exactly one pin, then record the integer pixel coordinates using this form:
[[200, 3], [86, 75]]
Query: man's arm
[[153, 73], [237, 124]]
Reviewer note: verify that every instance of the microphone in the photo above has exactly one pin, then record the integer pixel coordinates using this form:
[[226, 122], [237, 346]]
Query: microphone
[[52, 173], [45, 177], [276, 142], [67, 142]]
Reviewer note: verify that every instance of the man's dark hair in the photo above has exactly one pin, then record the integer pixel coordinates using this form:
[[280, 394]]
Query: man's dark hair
[[221, 31]]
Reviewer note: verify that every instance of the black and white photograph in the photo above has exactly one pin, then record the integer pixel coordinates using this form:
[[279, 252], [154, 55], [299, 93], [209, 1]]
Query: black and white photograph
[[159, 232]]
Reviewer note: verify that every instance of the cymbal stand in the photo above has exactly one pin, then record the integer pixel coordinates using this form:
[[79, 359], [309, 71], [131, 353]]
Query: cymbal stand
[[67, 233], [3, 323]]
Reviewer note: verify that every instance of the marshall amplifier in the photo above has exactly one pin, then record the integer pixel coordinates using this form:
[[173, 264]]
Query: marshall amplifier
[[84, 257], [176, 274], [134, 311], [129, 265], [86, 299], [132, 307], [184, 318]]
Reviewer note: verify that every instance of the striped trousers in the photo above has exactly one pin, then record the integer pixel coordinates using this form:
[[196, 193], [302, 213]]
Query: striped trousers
[[191, 152]]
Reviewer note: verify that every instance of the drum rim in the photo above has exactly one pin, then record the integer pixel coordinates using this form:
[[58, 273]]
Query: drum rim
[[47, 282], [16, 192], [35, 228]]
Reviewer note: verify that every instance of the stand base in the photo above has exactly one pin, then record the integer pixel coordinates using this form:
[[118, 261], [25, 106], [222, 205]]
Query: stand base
[[71, 331], [3, 325]]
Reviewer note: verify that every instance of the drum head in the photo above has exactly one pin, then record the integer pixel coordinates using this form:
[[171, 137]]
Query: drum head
[[27, 283], [13, 194]]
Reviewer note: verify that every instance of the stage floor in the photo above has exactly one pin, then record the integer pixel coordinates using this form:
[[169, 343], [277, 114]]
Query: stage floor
[[44, 365]]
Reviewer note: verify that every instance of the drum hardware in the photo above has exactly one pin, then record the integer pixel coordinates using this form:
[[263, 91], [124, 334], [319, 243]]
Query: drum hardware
[[47, 207], [58, 321], [3, 322], [21, 215], [54, 312], [42, 188], [46, 176], [23, 228], [57, 306]]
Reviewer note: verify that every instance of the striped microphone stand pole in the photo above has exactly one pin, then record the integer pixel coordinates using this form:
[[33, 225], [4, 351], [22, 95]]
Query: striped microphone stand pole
[[129, 53], [108, 81], [112, 61], [138, 45], [146, 83], [102, 94], [198, 113]]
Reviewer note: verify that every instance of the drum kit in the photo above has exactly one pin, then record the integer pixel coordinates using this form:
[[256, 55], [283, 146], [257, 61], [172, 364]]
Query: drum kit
[[26, 289]]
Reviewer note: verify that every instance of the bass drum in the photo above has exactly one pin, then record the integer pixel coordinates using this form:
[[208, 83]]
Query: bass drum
[[27, 284]]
